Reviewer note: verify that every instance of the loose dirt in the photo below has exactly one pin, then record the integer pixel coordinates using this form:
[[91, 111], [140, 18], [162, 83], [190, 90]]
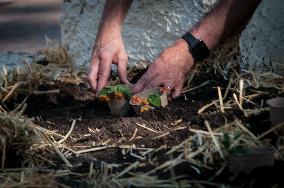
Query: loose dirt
[[166, 127]]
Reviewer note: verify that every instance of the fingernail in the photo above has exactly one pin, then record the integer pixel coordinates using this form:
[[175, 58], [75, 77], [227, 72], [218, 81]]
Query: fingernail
[[127, 82]]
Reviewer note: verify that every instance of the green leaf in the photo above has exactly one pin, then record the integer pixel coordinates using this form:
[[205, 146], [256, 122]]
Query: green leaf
[[227, 140], [115, 89], [106, 90], [124, 90], [155, 100]]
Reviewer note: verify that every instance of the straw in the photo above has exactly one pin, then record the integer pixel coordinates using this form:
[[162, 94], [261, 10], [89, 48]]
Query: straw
[[68, 134], [221, 100], [147, 128], [241, 92], [214, 139]]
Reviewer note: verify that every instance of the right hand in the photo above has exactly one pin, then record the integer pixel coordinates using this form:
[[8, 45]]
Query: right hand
[[109, 49]]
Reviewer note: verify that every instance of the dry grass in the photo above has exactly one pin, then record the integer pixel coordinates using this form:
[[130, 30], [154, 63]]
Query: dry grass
[[203, 150], [55, 53], [28, 77], [29, 177]]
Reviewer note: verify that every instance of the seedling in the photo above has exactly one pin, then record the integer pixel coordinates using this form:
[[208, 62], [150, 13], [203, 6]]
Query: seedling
[[149, 99], [117, 98]]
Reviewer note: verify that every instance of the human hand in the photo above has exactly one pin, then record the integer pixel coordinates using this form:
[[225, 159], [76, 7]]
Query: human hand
[[168, 70], [109, 49]]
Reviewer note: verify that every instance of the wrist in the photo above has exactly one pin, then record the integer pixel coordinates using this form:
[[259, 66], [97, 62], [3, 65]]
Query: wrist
[[206, 33], [197, 47], [109, 28], [108, 33], [184, 50]]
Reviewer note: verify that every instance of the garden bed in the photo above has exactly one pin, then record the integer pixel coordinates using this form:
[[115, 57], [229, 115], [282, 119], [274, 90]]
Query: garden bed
[[190, 142]]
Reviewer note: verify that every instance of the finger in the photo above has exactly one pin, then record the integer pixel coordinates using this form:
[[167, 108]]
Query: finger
[[143, 81], [103, 74], [169, 86], [93, 73], [177, 91], [122, 70]]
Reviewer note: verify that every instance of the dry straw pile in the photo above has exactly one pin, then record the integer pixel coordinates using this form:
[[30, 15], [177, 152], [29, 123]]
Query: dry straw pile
[[32, 146]]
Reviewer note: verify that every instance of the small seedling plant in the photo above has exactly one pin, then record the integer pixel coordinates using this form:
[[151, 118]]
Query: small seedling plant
[[143, 101], [148, 101], [119, 92]]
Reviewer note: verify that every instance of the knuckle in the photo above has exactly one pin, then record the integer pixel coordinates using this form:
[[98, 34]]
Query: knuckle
[[103, 56], [123, 59], [94, 59]]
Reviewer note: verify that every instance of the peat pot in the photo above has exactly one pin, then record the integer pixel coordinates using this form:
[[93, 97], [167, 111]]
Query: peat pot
[[145, 94], [276, 106], [119, 107]]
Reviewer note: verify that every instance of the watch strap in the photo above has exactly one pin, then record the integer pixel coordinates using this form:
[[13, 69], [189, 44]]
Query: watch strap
[[190, 39], [197, 47]]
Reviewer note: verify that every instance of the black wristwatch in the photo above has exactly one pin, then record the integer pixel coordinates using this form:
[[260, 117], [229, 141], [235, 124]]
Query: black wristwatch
[[197, 47]]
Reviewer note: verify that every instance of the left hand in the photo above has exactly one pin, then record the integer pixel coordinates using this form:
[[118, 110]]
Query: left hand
[[168, 70]]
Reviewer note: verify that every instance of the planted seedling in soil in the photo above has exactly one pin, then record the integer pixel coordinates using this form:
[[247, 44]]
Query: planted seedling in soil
[[149, 99], [117, 97]]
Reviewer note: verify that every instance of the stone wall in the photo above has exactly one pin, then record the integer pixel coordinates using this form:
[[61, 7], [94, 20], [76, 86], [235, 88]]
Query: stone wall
[[262, 42], [150, 26]]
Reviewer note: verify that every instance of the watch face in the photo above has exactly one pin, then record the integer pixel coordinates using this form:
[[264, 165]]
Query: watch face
[[200, 51]]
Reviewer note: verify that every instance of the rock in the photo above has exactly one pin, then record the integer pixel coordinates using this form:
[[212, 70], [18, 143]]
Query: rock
[[150, 26], [262, 42]]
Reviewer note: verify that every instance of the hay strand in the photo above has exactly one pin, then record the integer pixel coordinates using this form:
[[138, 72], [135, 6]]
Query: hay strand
[[214, 139]]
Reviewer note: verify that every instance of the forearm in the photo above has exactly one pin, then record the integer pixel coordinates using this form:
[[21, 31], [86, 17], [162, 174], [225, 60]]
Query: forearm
[[223, 21], [113, 15]]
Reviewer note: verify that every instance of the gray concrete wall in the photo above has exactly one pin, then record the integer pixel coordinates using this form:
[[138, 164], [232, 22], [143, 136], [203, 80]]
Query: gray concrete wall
[[262, 42], [150, 26]]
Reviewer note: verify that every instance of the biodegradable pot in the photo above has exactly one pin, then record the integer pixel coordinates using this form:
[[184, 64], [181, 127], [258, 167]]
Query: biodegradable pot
[[145, 94], [251, 159], [119, 107], [276, 106]]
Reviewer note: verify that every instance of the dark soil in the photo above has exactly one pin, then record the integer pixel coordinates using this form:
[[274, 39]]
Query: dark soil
[[56, 112], [95, 124]]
